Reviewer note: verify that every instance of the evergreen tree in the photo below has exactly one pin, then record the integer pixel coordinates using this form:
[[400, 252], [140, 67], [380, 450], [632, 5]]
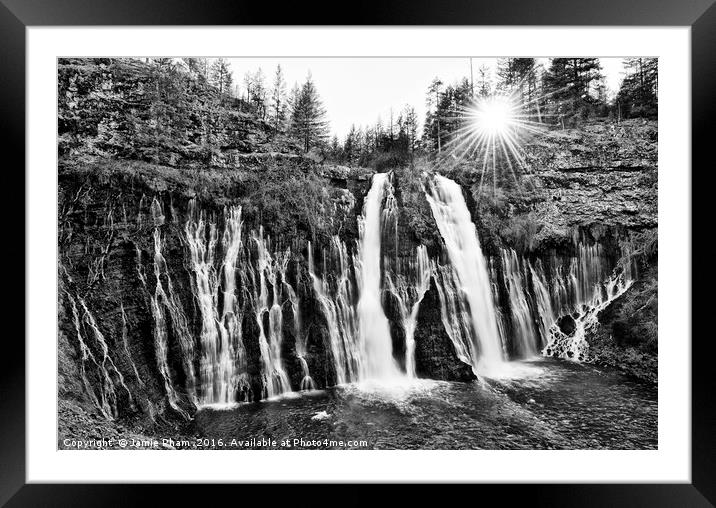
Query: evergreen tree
[[570, 83], [220, 76], [638, 93], [351, 147], [308, 117], [410, 118], [484, 82], [198, 68], [256, 91], [278, 99], [432, 128]]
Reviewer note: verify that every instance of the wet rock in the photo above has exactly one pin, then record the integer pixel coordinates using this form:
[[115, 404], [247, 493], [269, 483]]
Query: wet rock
[[567, 325], [397, 333], [435, 356], [251, 333]]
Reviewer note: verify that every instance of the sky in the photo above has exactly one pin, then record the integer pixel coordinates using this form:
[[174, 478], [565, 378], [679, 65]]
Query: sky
[[361, 90]]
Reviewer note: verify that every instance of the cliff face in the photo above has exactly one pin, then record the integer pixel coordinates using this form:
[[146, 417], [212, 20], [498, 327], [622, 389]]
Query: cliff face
[[595, 182], [131, 308]]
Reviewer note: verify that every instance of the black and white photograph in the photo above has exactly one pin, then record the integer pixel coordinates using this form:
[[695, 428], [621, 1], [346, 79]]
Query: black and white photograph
[[358, 253]]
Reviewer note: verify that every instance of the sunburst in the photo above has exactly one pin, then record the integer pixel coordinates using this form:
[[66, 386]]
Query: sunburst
[[492, 127]]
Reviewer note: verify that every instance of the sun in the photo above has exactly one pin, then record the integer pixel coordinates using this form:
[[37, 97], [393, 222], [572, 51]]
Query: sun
[[493, 117], [494, 128]]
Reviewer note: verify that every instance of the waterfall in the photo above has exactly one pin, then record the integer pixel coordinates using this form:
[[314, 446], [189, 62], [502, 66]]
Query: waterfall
[[373, 325], [270, 272], [165, 302], [337, 302], [125, 346], [577, 289], [307, 382], [232, 356], [523, 329], [107, 400], [545, 312], [463, 247], [408, 284], [216, 364], [454, 312], [575, 346]]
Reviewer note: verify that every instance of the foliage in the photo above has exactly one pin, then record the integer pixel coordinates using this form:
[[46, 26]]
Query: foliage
[[161, 111], [308, 117], [638, 94], [571, 87]]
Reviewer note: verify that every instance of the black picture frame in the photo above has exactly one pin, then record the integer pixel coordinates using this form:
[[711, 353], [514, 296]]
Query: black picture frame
[[16, 15]]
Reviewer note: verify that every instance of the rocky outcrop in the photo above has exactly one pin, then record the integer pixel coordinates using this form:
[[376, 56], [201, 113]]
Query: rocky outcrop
[[627, 336], [435, 356], [596, 181]]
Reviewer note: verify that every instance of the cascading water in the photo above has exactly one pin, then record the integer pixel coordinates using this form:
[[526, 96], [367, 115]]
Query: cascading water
[[270, 272], [106, 400], [373, 324], [454, 312], [578, 288], [575, 346], [463, 247], [337, 304], [163, 303], [307, 382], [408, 285], [545, 312], [523, 329], [125, 346], [232, 356], [217, 371]]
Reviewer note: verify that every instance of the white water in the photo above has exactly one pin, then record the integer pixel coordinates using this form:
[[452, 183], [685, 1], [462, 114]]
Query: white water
[[523, 329], [373, 325], [454, 312], [165, 302], [463, 247], [575, 346], [579, 286], [307, 382], [232, 356], [86, 327], [216, 363], [273, 272], [545, 312], [337, 304], [408, 285]]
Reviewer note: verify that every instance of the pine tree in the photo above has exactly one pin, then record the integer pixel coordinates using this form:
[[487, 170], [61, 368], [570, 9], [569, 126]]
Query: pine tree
[[569, 83], [198, 68], [308, 117], [484, 82], [351, 148], [410, 119], [220, 76], [278, 100], [432, 129], [256, 91], [638, 93]]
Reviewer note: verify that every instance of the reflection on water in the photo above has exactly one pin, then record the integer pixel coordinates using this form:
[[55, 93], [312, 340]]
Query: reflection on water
[[541, 404]]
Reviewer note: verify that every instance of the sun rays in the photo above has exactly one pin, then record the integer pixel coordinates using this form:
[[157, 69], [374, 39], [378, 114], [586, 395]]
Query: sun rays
[[491, 135]]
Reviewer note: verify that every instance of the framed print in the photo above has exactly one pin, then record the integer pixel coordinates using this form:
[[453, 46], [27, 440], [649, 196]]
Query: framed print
[[432, 253]]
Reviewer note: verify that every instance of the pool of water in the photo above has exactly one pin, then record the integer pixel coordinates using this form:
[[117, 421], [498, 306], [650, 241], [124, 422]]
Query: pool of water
[[540, 404]]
